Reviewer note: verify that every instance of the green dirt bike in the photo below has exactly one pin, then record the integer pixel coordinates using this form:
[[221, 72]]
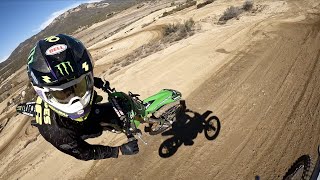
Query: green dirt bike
[[158, 112]]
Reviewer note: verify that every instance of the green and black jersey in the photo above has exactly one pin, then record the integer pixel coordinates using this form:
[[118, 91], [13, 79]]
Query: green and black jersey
[[69, 136]]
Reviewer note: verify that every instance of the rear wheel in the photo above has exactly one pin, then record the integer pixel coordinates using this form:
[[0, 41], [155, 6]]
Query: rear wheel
[[169, 147]]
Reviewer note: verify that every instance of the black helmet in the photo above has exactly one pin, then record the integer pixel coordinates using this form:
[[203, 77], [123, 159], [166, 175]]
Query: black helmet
[[61, 71]]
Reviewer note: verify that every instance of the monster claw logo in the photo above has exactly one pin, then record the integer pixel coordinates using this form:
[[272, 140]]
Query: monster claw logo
[[64, 66], [30, 57]]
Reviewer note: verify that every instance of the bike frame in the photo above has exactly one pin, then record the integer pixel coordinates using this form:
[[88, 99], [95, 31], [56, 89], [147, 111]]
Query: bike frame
[[138, 111]]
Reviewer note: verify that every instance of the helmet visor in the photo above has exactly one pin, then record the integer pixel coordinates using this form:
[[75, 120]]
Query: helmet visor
[[77, 90]]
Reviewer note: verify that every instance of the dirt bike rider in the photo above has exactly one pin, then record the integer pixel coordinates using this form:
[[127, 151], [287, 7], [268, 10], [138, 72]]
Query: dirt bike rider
[[61, 71]]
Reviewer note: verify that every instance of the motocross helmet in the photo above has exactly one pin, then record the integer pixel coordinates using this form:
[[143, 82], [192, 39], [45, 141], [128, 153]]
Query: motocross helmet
[[61, 72]]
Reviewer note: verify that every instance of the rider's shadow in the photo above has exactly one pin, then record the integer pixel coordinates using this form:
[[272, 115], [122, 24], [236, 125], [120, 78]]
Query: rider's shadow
[[187, 127]]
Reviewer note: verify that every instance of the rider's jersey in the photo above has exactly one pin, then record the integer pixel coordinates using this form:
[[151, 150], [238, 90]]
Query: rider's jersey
[[68, 135]]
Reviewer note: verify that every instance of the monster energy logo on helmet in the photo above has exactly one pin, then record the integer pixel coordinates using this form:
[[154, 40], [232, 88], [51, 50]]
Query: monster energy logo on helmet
[[64, 67]]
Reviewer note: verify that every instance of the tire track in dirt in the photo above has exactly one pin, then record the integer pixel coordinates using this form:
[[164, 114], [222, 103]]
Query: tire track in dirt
[[296, 127], [291, 118], [7, 138], [282, 128], [283, 90]]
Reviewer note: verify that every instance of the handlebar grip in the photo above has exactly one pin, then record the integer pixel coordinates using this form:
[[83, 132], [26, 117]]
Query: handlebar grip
[[98, 82], [101, 84]]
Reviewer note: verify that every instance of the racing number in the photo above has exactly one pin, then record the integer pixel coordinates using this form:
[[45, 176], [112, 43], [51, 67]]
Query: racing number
[[42, 116], [39, 114], [52, 39], [46, 114]]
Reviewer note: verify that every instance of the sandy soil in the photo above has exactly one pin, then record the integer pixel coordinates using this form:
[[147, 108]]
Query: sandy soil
[[256, 77]]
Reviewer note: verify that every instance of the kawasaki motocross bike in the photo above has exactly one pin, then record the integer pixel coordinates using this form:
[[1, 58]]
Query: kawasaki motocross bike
[[158, 112]]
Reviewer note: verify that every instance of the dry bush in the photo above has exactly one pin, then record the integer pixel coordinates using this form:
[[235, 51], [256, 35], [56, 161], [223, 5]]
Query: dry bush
[[114, 70], [147, 24], [142, 52], [230, 13], [200, 5], [175, 32], [233, 12], [189, 3], [247, 5], [171, 33], [140, 6]]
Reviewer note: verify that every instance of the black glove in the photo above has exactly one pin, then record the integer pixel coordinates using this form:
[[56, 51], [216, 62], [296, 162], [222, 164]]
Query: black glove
[[99, 83], [130, 148], [103, 152]]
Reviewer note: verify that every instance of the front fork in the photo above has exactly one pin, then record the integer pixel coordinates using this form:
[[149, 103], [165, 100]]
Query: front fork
[[130, 130]]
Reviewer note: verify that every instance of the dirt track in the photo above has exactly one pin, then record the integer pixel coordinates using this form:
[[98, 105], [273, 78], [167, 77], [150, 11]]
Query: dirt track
[[267, 100], [259, 78]]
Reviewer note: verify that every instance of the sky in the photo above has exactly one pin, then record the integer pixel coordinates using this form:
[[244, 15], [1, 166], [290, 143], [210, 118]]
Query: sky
[[21, 19]]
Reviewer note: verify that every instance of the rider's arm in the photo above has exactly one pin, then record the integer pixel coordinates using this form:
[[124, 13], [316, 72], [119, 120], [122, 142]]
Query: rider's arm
[[84, 151], [67, 142]]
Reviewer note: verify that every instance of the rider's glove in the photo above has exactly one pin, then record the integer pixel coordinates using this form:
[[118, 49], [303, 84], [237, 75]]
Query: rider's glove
[[99, 83], [130, 148]]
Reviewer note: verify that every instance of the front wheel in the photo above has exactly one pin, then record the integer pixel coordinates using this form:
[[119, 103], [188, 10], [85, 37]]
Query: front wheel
[[212, 128], [166, 116], [300, 169], [158, 127]]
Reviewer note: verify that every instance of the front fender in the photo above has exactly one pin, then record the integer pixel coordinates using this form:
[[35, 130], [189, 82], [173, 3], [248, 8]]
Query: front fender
[[165, 96]]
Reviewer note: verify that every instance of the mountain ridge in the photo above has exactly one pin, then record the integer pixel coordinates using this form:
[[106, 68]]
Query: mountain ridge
[[66, 23]]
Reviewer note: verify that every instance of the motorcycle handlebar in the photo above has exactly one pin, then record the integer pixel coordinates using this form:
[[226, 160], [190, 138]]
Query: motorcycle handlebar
[[103, 84]]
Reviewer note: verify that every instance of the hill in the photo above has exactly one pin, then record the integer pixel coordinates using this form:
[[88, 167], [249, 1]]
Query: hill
[[79, 17]]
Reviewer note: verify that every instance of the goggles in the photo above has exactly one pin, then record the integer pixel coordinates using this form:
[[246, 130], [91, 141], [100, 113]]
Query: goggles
[[76, 88]]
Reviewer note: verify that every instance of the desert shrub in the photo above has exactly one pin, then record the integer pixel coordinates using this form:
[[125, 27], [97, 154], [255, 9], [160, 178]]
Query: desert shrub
[[166, 13], [147, 24], [189, 25], [247, 5], [140, 6], [170, 28], [200, 5], [175, 32], [171, 33], [230, 13], [114, 70], [189, 3]]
